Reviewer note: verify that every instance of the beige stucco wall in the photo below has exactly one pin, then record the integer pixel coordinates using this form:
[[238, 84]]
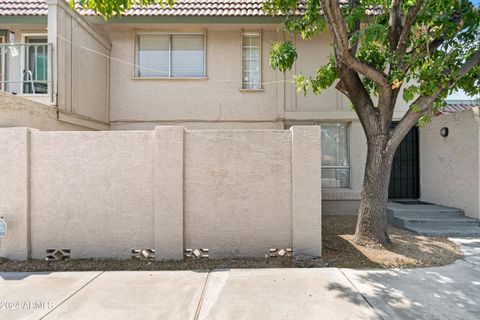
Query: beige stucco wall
[[18, 111], [102, 194], [82, 70], [14, 205], [84, 77], [214, 99], [449, 167], [91, 192], [217, 101], [238, 171]]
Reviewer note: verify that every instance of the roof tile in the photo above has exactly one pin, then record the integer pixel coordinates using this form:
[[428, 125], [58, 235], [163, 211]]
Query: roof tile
[[458, 106], [180, 8]]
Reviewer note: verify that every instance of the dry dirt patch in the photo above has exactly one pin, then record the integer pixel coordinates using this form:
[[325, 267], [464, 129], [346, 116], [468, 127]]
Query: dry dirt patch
[[406, 251]]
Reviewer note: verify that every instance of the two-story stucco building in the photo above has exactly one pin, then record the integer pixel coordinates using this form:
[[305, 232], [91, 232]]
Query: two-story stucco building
[[200, 64]]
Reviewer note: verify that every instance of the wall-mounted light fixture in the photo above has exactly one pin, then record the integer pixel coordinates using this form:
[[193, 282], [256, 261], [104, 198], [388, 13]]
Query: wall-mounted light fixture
[[444, 132]]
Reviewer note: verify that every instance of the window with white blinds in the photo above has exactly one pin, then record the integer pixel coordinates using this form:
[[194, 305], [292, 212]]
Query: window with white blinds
[[153, 54], [170, 55], [251, 61], [187, 55]]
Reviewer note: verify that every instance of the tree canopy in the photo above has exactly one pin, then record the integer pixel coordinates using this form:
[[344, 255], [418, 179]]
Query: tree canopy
[[431, 47]]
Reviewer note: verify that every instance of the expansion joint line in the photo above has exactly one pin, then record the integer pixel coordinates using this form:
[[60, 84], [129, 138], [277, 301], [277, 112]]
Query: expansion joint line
[[360, 293], [71, 295], [202, 296]]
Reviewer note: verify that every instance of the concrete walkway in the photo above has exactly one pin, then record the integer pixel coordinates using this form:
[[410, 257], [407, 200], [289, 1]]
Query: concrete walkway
[[450, 292]]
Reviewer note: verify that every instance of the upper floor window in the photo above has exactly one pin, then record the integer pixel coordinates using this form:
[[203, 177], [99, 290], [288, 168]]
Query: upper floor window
[[251, 61], [170, 55]]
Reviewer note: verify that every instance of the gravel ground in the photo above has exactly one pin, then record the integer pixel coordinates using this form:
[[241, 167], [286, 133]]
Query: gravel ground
[[406, 250], [135, 265]]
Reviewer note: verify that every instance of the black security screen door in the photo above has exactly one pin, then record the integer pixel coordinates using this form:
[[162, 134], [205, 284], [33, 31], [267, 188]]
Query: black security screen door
[[404, 179]]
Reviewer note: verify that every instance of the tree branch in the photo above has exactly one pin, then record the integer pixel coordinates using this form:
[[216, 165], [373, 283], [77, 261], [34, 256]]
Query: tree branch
[[394, 23], [356, 29], [433, 45], [351, 85], [469, 64], [338, 29], [386, 106], [424, 104], [407, 26]]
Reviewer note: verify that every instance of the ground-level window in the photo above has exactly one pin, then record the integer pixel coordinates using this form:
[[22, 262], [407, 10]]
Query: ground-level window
[[170, 55], [335, 155], [251, 61]]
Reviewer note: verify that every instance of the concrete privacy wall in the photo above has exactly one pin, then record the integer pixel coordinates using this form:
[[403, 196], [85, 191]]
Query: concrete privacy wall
[[102, 194], [219, 166], [82, 69], [450, 166]]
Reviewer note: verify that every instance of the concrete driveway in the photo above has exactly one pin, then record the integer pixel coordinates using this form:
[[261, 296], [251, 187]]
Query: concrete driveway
[[451, 292]]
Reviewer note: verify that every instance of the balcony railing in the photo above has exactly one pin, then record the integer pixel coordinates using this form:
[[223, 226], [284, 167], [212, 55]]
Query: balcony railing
[[26, 68]]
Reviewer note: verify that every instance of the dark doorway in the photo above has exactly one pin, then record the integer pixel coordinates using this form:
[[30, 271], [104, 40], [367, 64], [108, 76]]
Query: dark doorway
[[404, 179]]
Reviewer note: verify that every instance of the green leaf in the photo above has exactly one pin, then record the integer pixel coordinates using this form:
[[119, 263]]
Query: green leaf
[[409, 93], [325, 76], [282, 56], [424, 119], [301, 83], [109, 8]]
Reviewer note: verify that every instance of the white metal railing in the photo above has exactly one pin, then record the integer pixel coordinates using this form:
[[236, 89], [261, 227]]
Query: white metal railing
[[26, 68]]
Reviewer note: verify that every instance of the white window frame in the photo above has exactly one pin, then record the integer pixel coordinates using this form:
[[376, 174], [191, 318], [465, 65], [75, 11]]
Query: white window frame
[[22, 63], [251, 33], [169, 77], [349, 166]]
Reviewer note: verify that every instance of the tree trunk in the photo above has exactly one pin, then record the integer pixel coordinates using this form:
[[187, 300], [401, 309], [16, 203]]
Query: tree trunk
[[372, 218]]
